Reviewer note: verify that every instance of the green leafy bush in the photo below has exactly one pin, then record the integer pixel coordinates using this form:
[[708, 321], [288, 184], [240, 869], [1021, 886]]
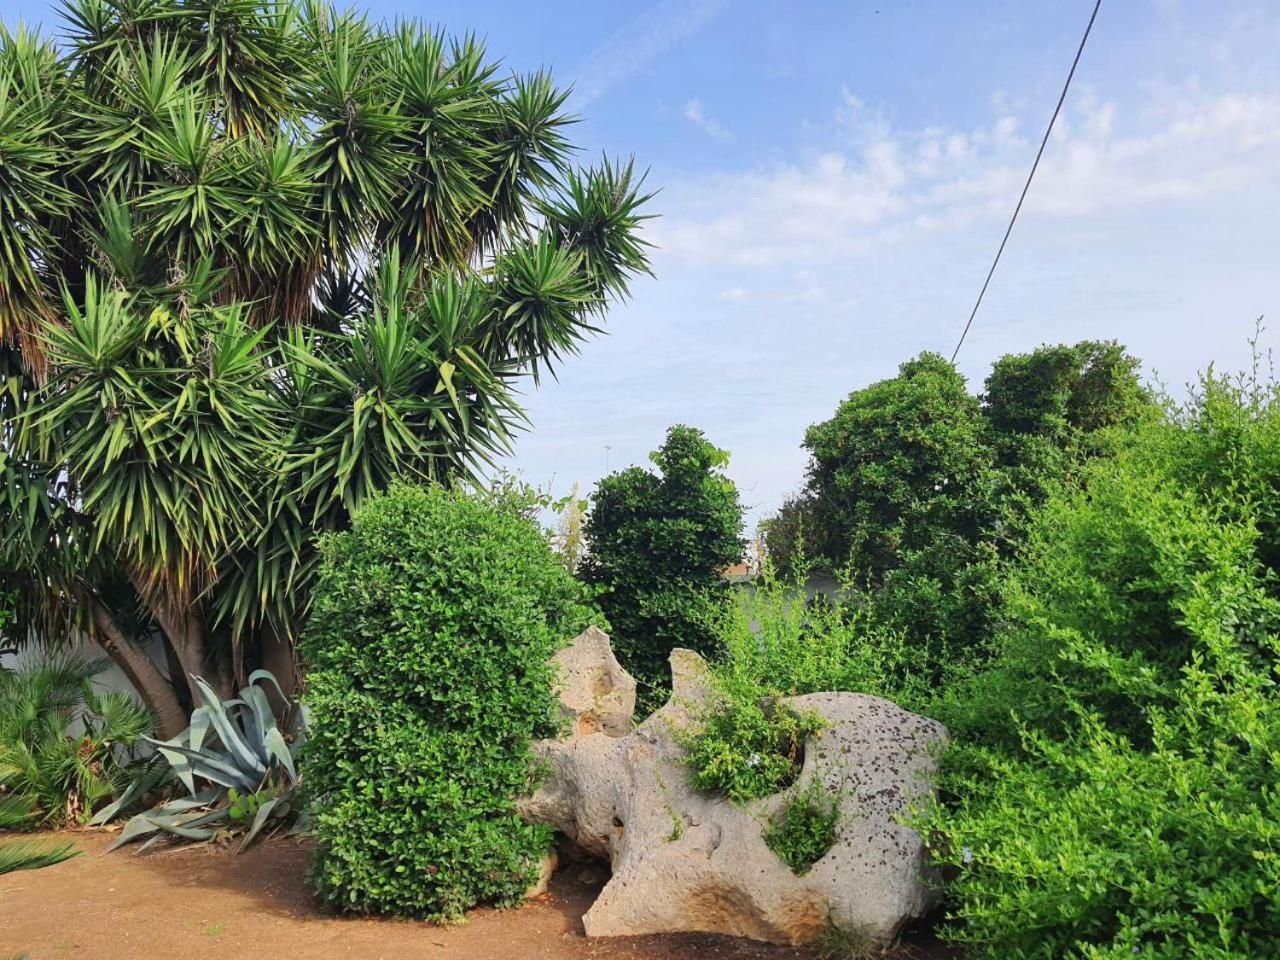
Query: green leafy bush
[[806, 829], [8, 612], [777, 642], [1112, 791], [658, 544], [428, 676], [747, 749]]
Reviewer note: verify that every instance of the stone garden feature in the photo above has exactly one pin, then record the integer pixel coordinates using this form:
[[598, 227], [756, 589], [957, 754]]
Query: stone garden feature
[[684, 860]]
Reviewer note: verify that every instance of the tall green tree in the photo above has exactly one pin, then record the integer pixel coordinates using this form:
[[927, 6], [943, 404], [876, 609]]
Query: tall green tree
[[256, 260], [657, 545], [915, 460], [919, 488], [898, 467]]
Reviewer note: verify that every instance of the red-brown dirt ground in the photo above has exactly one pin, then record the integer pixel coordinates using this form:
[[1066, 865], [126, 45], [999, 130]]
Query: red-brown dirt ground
[[197, 903]]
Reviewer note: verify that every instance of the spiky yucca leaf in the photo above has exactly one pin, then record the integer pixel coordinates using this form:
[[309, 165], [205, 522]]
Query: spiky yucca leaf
[[32, 195], [599, 214]]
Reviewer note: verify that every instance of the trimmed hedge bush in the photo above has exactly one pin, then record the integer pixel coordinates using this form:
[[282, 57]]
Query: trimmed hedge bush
[[659, 542], [428, 677]]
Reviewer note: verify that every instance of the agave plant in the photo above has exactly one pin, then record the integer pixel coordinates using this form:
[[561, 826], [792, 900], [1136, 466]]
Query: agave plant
[[235, 764]]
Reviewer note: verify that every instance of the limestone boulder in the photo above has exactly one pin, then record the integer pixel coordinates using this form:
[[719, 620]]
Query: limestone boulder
[[596, 694], [685, 860]]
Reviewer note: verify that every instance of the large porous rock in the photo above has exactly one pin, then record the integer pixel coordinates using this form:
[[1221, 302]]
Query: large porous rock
[[684, 860]]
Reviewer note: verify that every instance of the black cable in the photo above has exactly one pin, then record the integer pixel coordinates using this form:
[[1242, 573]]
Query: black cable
[[1027, 186]]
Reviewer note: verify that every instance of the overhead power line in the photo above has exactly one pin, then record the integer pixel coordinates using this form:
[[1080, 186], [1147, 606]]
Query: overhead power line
[[1031, 176]]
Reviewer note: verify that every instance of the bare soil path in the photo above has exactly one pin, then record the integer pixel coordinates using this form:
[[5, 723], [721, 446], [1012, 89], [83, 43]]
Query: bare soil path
[[198, 903]]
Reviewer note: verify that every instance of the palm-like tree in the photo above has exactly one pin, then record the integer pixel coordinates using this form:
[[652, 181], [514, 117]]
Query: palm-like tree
[[255, 260]]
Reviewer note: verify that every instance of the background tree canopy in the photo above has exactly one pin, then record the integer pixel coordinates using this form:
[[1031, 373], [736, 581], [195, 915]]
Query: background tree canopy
[[916, 487], [658, 545], [256, 260], [899, 459]]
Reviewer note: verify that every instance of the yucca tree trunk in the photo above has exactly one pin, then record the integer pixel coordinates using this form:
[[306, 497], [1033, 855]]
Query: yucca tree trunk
[[278, 654], [155, 689], [186, 633], [183, 623]]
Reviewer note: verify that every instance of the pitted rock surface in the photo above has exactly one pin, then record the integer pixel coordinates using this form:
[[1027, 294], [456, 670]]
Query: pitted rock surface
[[596, 694], [684, 860]]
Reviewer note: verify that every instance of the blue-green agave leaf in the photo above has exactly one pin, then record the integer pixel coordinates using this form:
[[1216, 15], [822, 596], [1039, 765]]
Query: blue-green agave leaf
[[278, 750], [230, 735], [138, 826], [259, 820]]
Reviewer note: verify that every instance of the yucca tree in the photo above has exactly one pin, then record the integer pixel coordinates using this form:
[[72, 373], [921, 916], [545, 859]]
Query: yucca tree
[[256, 259]]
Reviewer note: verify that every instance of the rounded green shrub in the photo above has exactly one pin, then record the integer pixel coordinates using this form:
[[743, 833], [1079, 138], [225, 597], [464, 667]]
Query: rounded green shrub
[[749, 748], [428, 669]]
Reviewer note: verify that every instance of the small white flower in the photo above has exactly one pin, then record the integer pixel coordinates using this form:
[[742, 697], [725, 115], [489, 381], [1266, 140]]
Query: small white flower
[[966, 855], [753, 760]]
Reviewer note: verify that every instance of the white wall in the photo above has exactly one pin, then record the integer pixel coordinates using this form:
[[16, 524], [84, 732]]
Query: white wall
[[111, 679]]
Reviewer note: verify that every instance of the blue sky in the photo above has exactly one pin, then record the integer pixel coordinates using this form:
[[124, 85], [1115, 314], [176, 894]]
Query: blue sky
[[835, 177]]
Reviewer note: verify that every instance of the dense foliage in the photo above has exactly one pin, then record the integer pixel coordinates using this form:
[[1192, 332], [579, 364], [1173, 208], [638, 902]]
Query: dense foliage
[[916, 488], [256, 260], [658, 544], [791, 534], [778, 641], [1059, 389], [806, 828], [66, 748], [428, 676], [1114, 792], [775, 642], [1111, 787]]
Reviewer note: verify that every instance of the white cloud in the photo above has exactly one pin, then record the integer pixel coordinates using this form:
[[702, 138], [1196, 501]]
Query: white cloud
[[885, 183], [696, 114], [733, 294], [638, 44]]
